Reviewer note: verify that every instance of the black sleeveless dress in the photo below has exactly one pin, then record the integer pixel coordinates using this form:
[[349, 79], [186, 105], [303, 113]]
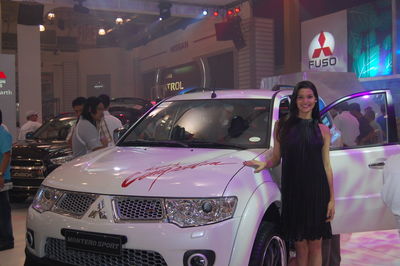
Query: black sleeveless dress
[[305, 188]]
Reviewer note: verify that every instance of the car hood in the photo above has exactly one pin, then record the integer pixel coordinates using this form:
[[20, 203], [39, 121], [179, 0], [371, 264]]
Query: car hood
[[36, 149], [152, 171]]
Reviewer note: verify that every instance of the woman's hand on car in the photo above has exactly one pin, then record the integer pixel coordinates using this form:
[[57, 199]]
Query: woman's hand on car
[[257, 165]]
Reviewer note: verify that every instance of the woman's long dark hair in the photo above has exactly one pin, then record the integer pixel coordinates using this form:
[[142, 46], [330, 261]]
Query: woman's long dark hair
[[286, 122], [89, 108]]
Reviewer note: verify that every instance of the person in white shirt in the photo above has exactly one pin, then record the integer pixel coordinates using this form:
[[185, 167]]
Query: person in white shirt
[[109, 123], [347, 124], [30, 126], [77, 105], [86, 137], [391, 186]]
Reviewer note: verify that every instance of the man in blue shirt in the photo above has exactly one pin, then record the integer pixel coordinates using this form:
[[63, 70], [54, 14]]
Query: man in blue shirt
[[6, 233]]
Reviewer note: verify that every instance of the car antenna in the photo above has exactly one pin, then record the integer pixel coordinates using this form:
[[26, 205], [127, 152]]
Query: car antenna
[[213, 94]]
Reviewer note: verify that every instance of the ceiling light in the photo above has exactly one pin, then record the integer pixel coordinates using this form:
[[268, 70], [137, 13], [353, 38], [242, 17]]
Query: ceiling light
[[102, 31], [205, 12], [42, 28], [216, 13], [51, 15], [119, 21], [237, 10], [229, 12]]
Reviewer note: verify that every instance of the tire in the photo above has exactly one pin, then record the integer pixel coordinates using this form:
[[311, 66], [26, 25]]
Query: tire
[[269, 248]]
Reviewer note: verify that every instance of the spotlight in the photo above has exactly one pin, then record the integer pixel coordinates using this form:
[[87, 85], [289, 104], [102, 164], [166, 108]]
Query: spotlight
[[237, 10], [229, 12], [102, 32], [51, 15], [165, 10], [42, 28], [216, 13], [205, 12], [119, 21]]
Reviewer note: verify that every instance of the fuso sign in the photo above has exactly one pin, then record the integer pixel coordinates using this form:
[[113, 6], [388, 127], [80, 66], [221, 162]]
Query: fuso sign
[[321, 51]]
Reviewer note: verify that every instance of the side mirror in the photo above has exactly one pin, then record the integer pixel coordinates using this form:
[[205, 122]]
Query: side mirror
[[118, 133], [29, 135]]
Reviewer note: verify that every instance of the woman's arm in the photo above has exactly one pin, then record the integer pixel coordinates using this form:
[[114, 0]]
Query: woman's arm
[[328, 169], [271, 162]]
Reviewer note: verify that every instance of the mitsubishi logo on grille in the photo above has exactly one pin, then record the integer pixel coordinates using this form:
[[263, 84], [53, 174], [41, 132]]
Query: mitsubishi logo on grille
[[321, 50], [99, 211]]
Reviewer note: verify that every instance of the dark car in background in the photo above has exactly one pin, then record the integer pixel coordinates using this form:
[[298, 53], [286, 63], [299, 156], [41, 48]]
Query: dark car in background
[[128, 109], [46, 148]]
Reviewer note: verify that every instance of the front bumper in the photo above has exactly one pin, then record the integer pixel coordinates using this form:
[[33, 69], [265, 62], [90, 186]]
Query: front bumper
[[143, 239]]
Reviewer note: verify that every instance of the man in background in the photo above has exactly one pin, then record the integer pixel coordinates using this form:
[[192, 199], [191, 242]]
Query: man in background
[[6, 233], [109, 123], [77, 106], [30, 126]]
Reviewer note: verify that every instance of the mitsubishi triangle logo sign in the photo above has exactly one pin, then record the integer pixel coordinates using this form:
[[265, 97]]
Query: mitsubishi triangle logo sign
[[321, 51], [2, 79]]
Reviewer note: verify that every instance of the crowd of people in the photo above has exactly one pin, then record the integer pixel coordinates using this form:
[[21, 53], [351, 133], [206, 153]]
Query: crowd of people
[[95, 126], [358, 129]]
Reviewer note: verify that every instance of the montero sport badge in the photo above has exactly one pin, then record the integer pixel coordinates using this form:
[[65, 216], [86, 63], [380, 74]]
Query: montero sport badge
[[321, 50]]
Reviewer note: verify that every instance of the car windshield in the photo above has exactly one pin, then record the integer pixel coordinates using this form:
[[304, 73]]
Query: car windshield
[[55, 129], [226, 123]]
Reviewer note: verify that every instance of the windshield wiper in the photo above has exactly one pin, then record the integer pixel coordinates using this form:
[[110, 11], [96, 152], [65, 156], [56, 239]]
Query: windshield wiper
[[214, 144], [143, 142]]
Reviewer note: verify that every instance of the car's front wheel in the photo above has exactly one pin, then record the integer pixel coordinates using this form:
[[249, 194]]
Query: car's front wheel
[[269, 248]]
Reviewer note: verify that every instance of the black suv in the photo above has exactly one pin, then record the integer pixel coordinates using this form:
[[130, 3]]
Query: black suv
[[44, 150]]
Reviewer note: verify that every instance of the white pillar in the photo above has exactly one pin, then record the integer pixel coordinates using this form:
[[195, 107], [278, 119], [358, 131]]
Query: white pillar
[[29, 71]]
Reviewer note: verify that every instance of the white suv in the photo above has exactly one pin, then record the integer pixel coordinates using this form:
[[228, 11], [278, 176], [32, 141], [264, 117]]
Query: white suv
[[174, 190]]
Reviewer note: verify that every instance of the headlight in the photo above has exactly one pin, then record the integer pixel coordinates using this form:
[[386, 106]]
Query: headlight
[[45, 199], [61, 160], [195, 212]]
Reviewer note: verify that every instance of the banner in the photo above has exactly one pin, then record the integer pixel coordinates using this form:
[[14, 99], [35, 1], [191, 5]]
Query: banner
[[7, 93]]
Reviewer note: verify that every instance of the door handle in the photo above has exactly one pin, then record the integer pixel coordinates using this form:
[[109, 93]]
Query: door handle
[[378, 165]]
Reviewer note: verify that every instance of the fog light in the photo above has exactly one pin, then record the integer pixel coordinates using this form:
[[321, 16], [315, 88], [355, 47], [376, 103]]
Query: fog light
[[197, 260], [30, 239], [199, 257]]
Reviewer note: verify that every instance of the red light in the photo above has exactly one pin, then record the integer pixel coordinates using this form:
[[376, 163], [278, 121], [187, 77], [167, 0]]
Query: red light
[[237, 10], [216, 13], [153, 102], [230, 12]]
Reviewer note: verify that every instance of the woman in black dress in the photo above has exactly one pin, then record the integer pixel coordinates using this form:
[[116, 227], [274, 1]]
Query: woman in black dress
[[308, 203]]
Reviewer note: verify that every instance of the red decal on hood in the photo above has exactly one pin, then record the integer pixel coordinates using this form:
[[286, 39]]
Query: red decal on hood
[[162, 170]]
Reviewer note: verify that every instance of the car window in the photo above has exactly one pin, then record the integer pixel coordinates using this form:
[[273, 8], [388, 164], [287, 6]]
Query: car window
[[55, 129], [241, 122], [284, 107], [396, 103], [358, 122]]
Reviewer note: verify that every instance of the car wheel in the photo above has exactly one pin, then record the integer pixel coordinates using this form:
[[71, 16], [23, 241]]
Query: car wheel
[[269, 248]]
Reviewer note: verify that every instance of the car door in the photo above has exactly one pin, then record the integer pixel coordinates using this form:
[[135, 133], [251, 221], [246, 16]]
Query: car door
[[358, 165]]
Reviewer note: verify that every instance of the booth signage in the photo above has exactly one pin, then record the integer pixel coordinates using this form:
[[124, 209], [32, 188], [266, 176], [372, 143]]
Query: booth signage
[[175, 86], [321, 51], [324, 43]]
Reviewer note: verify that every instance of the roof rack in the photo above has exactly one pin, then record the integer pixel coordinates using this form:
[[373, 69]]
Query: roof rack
[[279, 87], [199, 89]]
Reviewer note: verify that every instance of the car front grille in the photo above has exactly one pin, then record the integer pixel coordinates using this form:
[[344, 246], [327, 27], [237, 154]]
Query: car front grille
[[135, 208], [74, 204], [27, 168], [55, 249], [26, 163]]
